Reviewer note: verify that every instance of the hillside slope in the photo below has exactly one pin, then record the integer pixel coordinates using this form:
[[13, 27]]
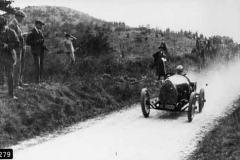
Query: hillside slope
[[58, 14]]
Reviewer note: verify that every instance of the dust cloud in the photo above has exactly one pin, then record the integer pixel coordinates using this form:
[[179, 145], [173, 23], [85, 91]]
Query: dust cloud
[[221, 82]]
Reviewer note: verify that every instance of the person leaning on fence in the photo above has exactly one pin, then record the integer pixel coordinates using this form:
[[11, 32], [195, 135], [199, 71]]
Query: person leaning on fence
[[20, 51], [69, 50], [8, 43], [159, 61], [36, 40]]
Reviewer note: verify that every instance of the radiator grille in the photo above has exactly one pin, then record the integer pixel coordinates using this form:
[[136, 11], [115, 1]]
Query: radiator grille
[[168, 93]]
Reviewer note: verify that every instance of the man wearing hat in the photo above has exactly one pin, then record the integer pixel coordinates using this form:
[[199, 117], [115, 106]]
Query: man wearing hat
[[159, 60], [8, 43], [36, 41], [18, 68]]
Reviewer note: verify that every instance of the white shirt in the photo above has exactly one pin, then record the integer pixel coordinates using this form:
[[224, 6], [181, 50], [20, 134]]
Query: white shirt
[[68, 46]]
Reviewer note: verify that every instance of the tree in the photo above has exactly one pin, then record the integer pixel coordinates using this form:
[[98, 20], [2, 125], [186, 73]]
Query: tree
[[93, 44], [5, 5]]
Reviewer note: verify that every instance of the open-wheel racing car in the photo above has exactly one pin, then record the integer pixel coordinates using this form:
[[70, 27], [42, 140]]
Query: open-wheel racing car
[[177, 93]]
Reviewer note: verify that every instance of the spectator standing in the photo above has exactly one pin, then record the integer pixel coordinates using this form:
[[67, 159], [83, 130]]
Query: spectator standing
[[69, 50], [20, 51], [159, 60], [36, 40], [8, 43]]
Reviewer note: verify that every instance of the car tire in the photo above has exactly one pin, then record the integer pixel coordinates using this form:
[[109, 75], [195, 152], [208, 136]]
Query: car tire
[[191, 106], [201, 99], [145, 102]]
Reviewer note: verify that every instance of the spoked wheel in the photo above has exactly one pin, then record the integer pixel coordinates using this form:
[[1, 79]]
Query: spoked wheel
[[192, 106], [145, 102], [201, 99]]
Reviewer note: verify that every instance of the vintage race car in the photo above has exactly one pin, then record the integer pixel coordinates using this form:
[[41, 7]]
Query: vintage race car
[[177, 93]]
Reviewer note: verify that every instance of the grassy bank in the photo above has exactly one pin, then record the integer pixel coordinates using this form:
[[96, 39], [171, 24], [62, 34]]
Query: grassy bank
[[55, 106], [223, 142]]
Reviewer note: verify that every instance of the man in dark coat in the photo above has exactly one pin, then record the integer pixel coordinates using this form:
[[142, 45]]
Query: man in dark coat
[[159, 61], [36, 40], [8, 43]]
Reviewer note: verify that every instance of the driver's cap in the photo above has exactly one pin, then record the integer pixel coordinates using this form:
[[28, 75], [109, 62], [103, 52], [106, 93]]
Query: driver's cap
[[180, 68]]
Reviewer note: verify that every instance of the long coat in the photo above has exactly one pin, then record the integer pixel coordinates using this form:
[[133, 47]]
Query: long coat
[[36, 40], [159, 63]]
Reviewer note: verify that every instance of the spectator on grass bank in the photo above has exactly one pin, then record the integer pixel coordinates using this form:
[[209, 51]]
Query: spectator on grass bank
[[69, 49], [8, 43], [20, 51], [36, 40], [159, 61], [68, 56]]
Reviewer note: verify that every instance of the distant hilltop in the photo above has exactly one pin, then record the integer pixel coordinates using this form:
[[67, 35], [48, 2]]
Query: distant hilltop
[[59, 15]]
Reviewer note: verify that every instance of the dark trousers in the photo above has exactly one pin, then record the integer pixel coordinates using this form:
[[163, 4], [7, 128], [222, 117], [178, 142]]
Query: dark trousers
[[6, 66], [160, 69], [38, 56]]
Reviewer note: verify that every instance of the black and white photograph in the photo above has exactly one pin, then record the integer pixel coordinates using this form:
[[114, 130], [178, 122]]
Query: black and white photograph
[[120, 79]]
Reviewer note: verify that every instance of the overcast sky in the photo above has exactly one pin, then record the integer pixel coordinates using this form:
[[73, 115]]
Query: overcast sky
[[210, 17]]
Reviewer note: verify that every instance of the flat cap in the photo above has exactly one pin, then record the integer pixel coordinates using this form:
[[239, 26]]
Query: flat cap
[[20, 13], [39, 22], [69, 35], [179, 68]]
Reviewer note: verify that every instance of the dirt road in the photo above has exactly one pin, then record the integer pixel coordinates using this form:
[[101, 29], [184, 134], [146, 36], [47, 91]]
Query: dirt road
[[127, 135]]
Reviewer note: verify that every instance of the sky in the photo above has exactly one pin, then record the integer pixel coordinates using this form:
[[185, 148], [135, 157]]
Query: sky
[[209, 17]]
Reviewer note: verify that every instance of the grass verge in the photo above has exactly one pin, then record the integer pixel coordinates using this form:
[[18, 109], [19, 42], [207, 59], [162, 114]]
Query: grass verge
[[223, 142]]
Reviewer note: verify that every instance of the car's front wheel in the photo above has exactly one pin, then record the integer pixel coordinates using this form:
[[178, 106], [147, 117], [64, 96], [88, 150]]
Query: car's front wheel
[[192, 106], [145, 102], [201, 99]]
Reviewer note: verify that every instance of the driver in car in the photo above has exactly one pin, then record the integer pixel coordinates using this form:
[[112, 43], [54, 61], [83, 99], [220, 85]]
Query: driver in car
[[180, 70]]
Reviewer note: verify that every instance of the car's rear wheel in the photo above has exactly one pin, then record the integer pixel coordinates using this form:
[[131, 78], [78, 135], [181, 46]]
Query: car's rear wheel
[[192, 106], [201, 99], [145, 102]]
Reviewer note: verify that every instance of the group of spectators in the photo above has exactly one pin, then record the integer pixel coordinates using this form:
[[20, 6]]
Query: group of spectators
[[13, 43]]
